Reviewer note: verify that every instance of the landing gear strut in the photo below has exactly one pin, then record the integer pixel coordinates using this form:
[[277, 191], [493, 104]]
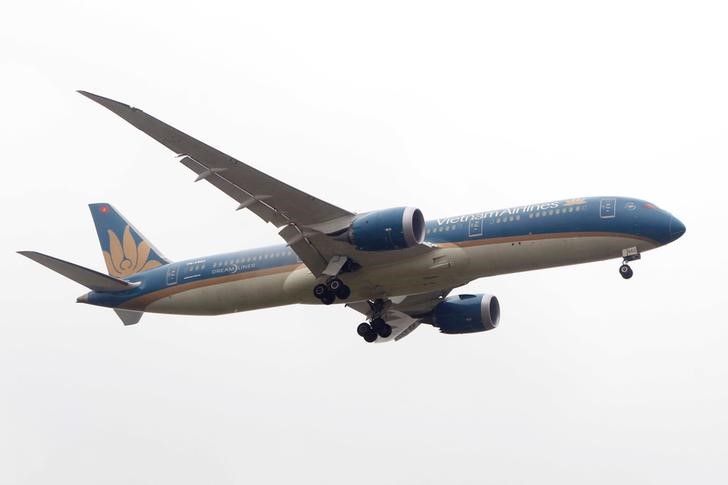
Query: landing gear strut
[[629, 254]]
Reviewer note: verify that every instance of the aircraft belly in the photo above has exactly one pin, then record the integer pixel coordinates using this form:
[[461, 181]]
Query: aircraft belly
[[442, 268], [526, 255], [229, 297], [446, 267]]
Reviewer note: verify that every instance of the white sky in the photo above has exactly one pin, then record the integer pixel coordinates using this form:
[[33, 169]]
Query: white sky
[[452, 108]]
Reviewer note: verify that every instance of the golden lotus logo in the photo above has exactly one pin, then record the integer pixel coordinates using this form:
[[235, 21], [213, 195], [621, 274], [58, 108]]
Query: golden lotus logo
[[126, 258]]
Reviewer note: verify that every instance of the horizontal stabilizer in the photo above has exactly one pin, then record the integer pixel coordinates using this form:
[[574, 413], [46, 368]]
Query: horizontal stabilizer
[[87, 277]]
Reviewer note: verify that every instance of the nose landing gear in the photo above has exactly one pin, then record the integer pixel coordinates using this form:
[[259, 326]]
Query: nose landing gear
[[626, 271], [628, 254]]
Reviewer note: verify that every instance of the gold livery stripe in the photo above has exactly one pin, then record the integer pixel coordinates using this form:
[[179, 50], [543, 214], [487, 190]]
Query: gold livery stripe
[[538, 237], [143, 301]]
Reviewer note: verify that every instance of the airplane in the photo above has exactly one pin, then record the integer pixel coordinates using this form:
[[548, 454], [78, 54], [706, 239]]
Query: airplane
[[391, 265]]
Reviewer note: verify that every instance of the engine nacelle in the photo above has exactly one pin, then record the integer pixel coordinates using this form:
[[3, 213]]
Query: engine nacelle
[[467, 314], [386, 230]]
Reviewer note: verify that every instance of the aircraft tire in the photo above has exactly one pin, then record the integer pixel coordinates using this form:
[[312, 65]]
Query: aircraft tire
[[343, 293], [363, 329], [370, 337], [382, 328], [335, 285], [626, 271], [319, 291]]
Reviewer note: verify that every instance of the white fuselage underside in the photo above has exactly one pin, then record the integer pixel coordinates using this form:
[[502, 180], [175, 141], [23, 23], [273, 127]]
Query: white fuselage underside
[[447, 267]]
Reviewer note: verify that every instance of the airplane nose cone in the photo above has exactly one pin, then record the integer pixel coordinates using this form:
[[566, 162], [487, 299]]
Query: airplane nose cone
[[677, 228]]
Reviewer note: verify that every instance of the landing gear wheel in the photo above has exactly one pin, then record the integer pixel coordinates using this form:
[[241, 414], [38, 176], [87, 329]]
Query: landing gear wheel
[[625, 271], [382, 328], [371, 336], [343, 293], [319, 291], [328, 298], [335, 285], [363, 329]]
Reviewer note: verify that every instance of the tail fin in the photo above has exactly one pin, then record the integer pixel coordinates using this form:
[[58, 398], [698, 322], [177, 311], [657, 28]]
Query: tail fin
[[126, 250]]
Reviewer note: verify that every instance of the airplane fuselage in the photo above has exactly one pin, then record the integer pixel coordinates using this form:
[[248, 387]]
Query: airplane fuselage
[[467, 247]]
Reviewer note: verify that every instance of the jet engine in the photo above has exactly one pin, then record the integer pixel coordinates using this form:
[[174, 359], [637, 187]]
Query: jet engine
[[466, 314], [386, 230]]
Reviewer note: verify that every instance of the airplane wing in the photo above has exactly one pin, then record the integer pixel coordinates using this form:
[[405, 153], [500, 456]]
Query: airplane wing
[[305, 219], [404, 314], [270, 199]]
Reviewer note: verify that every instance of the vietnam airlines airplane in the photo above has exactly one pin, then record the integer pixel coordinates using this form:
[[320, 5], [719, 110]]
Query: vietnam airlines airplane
[[391, 265]]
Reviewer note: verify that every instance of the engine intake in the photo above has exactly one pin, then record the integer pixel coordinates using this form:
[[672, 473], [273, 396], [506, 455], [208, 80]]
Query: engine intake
[[467, 314], [389, 229]]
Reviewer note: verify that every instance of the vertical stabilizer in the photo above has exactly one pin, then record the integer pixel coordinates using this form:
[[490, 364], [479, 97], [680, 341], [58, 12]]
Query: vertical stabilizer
[[126, 251]]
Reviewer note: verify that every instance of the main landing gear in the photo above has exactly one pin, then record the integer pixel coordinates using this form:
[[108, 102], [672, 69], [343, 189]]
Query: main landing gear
[[629, 254], [376, 327], [333, 289]]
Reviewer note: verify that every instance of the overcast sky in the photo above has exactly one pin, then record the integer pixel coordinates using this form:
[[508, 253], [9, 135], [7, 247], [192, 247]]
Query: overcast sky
[[449, 107]]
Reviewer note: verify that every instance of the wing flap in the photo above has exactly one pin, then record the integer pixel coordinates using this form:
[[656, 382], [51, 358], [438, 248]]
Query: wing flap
[[300, 244], [255, 202]]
